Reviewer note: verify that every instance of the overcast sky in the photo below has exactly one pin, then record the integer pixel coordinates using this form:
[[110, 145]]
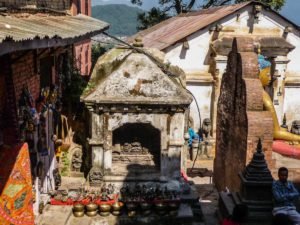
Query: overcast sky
[[291, 10]]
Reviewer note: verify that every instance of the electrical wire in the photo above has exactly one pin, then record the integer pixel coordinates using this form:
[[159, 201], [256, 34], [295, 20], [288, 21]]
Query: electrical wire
[[164, 68]]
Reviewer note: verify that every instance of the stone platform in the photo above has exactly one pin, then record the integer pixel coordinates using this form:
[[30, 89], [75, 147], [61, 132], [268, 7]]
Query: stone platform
[[62, 215]]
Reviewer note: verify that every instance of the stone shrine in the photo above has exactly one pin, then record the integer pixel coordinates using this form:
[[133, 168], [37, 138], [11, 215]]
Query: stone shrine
[[137, 116]]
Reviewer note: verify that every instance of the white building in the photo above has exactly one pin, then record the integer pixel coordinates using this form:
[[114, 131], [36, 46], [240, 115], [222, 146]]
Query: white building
[[199, 42]]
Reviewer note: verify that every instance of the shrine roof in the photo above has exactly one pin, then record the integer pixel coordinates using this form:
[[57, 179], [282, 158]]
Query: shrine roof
[[125, 76]]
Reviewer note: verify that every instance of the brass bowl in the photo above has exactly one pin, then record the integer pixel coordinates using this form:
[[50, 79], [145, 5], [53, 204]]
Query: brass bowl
[[131, 213], [173, 205], [145, 206], [160, 206], [104, 207], [78, 214], [91, 207], [91, 213], [115, 213], [117, 206], [104, 213], [78, 208], [131, 206], [173, 213], [146, 212]]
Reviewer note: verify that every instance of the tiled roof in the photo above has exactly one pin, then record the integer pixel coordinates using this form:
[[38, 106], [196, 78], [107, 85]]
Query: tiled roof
[[176, 28], [42, 26]]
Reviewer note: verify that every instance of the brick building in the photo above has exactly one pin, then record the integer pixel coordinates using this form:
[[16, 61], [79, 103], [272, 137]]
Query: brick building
[[36, 38], [40, 43]]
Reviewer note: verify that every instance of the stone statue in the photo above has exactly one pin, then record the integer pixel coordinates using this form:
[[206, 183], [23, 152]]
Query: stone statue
[[95, 176], [265, 78], [57, 178], [76, 161], [206, 127], [295, 129]]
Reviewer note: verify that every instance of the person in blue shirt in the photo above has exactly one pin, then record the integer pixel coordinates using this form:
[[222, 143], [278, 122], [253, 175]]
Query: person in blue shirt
[[284, 195]]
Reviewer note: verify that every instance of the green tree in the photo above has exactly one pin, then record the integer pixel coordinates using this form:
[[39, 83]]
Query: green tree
[[167, 8], [149, 19], [97, 51]]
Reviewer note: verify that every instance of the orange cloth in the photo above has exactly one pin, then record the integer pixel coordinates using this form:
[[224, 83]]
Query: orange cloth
[[16, 199]]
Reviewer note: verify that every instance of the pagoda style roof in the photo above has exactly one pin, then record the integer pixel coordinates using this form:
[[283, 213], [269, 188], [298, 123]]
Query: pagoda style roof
[[127, 76]]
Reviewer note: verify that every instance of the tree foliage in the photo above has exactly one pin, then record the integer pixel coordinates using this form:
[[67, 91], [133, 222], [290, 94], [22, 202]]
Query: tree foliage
[[167, 8], [149, 19]]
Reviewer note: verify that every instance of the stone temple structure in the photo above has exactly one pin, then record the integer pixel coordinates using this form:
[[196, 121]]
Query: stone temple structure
[[137, 118], [241, 119]]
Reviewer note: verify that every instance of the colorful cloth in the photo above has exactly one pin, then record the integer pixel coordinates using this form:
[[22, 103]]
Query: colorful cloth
[[16, 199], [192, 136], [263, 63]]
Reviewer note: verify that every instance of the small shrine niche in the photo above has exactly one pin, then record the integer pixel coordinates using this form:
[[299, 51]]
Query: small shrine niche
[[136, 143]]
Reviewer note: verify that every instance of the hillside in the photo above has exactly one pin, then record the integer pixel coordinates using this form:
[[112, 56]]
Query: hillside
[[122, 18]]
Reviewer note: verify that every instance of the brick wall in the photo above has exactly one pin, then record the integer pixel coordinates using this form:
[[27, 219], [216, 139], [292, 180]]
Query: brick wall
[[82, 50], [81, 6], [9, 118], [24, 74], [83, 54]]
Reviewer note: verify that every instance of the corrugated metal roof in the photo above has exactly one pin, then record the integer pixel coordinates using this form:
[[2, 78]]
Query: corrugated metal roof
[[176, 28], [41, 26]]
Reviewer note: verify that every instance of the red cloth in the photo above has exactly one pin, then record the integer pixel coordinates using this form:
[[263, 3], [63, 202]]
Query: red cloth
[[229, 222]]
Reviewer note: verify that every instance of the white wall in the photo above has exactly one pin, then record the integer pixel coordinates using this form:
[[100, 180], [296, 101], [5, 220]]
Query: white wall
[[194, 60], [203, 95], [292, 104]]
